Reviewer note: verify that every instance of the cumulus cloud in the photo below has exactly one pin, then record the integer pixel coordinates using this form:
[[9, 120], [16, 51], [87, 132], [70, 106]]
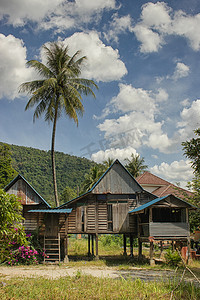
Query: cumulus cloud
[[13, 69], [138, 125], [117, 26], [189, 120], [21, 11], [158, 20], [181, 70], [177, 171], [114, 153], [103, 62], [150, 41], [57, 14]]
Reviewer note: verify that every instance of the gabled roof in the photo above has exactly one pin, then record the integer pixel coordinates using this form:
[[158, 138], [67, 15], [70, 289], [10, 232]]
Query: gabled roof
[[151, 179], [18, 177], [94, 188], [155, 201], [163, 187]]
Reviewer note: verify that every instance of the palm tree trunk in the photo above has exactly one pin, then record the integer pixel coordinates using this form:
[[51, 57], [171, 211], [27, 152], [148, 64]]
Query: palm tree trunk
[[53, 160]]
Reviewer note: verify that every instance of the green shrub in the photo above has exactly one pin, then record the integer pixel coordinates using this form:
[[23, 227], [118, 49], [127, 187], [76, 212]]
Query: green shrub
[[172, 258]]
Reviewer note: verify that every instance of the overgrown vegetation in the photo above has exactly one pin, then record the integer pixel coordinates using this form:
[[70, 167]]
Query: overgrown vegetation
[[88, 287]]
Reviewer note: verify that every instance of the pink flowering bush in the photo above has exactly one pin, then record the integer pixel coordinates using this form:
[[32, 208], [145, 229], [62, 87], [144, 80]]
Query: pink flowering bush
[[25, 255]]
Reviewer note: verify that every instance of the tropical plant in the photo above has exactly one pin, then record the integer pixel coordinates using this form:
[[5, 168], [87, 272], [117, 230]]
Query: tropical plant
[[136, 165], [58, 89], [107, 163], [192, 149], [12, 232], [67, 194], [91, 178]]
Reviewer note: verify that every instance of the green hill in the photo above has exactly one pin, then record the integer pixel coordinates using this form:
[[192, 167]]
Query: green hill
[[35, 166]]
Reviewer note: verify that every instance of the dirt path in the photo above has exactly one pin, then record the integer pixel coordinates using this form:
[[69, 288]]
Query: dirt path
[[54, 271]]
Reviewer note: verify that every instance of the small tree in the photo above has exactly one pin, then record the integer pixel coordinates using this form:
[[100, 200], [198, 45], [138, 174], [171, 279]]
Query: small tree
[[192, 151], [67, 195], [11, 228]]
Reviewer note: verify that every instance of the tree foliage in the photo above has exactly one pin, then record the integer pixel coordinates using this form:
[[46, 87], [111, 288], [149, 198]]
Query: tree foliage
[[67, 195], [58, 90], [136, 165], [7, 172], [92, 177], [35, 166], [11, 228], [192, 151]]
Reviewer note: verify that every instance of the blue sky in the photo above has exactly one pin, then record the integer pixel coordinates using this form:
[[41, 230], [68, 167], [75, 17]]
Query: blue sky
[[144, 55]]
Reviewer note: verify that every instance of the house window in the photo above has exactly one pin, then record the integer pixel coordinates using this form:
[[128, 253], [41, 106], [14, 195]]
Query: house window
[[110, 217], [170, 215], [82, 218]]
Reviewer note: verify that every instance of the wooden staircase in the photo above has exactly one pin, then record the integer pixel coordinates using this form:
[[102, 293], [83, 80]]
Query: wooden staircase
[[52, 249]]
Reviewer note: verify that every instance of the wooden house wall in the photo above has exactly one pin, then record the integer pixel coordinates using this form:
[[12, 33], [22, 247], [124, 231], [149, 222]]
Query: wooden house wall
[[117, 181], [33, 221], [26, 195], [96, 215], [169, 230]]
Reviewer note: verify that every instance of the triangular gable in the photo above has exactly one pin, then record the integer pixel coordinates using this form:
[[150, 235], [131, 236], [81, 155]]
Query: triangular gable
[[178, 201], [116, 180], [12, 188]]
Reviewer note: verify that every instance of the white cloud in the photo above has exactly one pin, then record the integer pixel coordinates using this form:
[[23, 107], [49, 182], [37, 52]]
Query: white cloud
[[20, 11], [181, 70], [117, 26], [158, 20], [188, 27], [138, 125], [189, 120], [156, 15], [150, 41], [13, 69], [114, 153], [103, 62], [177, 171], [57, 14]]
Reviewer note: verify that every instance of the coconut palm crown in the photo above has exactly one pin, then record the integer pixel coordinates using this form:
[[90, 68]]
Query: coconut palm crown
[[58, 89]]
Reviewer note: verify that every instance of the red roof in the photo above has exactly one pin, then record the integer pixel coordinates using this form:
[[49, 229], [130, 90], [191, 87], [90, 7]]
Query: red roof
[[164, 187]]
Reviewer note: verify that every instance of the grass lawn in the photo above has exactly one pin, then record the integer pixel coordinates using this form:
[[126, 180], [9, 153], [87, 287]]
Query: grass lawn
[[82, 286]]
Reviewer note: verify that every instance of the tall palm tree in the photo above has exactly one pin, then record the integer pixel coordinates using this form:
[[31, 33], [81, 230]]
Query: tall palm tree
[[91, 178], [107, 163], [136, 165], [58, 89]]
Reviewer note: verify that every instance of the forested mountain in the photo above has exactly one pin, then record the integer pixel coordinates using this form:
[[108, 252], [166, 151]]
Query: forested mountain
[[35, 166]]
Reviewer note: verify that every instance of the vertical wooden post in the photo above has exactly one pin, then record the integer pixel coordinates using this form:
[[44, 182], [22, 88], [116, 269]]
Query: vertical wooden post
[[131, 245], [92, 244], [152, 262], [139, 248], [89, 245], [188, 251], [97, 248], [172, 245], [66, 258], [161, 248], [124, 239]]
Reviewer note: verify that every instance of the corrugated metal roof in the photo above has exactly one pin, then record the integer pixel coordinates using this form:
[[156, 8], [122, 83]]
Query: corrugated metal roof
[[52, 211], [152, 202]]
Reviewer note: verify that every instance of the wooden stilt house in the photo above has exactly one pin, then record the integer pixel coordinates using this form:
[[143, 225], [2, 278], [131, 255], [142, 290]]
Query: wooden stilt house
[[116, 204]]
